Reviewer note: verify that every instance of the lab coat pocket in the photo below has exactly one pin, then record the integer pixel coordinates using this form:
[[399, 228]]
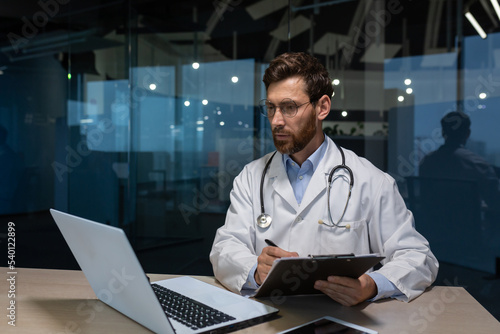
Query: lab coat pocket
[[351, 238]]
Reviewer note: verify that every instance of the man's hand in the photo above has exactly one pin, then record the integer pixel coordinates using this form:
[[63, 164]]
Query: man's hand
[[348, 291], [266, 259]]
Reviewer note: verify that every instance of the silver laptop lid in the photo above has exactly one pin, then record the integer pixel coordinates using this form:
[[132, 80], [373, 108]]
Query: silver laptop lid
[[116, 278]]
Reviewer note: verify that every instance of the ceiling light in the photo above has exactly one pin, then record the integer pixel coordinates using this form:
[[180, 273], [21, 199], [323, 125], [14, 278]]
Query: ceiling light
[[344, 113], [204, 102], [407, 82], [234, 79], [409, 90], [496, 6], [187, 103], [196, 65], [476, 25], [152, 86], [482, 96], [336, 82], [401, 98]]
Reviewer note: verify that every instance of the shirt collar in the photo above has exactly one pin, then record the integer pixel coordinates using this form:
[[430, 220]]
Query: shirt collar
[[314, 158]]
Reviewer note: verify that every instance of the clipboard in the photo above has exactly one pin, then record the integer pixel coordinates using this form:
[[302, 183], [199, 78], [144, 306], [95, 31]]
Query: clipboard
[[296, 275]]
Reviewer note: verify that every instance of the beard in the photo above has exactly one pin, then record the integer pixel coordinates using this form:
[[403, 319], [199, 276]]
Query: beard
[[298, 140]]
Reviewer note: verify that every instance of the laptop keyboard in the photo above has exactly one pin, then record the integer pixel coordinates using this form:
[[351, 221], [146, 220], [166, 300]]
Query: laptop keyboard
[[188, 311]]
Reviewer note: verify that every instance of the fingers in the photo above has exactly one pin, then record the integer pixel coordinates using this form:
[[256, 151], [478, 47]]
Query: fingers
[[265, 262], [277, 252], [333, 288], [266, 259], [261, 273], [348, 291]]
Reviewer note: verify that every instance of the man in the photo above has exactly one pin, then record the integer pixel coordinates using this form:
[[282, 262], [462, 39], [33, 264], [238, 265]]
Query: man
[[295, 194], [453, 161]]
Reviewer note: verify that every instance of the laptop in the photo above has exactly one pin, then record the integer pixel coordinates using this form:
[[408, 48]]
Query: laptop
[[117, 278]]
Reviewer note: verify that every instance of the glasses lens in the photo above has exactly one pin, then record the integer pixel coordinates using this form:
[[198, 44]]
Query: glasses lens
[[263, 107], [266, 108], [288, 107]]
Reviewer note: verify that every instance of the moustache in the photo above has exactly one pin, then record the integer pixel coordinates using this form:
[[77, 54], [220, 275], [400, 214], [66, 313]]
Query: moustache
[[280, 130]]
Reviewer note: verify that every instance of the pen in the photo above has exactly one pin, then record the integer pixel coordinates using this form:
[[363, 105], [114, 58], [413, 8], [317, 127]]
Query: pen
[[270, 243]]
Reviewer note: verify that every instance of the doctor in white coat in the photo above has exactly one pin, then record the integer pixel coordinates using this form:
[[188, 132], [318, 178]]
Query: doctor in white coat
[[295, 195]]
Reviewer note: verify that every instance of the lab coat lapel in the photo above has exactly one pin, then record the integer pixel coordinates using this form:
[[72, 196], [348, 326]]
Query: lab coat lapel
[[281, 184], [317, 185]]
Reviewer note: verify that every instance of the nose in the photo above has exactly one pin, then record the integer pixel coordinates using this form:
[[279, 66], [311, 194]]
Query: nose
[[278, 119]]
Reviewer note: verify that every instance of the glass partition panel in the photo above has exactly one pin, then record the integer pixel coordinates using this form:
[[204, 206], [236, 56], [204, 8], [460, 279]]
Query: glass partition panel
[[139, 114]]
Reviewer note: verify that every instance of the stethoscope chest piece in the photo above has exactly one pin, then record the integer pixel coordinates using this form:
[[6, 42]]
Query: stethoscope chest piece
[[264, 220]]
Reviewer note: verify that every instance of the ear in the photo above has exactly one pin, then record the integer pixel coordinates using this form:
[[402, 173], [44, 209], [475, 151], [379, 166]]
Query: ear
[[323, 107]]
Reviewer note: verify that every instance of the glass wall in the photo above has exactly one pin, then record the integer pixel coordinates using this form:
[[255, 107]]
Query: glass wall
[[139, 114]]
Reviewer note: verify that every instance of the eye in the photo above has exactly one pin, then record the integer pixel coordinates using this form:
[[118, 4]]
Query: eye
[[288, 108]]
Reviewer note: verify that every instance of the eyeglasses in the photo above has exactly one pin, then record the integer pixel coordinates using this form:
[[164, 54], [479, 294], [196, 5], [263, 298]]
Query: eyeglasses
[[288, 107]]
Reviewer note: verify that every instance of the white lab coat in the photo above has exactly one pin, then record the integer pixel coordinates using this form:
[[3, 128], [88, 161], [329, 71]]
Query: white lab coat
[[379, 222]]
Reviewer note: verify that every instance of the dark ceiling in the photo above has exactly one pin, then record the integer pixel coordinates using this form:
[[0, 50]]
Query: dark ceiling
[[411, 27]]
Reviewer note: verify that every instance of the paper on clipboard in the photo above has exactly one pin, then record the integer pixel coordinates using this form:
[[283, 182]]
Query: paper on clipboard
[[296, 275]]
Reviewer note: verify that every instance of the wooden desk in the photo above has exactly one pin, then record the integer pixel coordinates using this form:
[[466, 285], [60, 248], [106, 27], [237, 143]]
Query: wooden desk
[[61, 301]]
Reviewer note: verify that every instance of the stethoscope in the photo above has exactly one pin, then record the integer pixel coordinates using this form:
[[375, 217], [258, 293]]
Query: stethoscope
[[264, 220]]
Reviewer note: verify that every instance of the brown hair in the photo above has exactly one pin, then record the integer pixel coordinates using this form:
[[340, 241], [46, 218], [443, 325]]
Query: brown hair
[[314, 74]]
